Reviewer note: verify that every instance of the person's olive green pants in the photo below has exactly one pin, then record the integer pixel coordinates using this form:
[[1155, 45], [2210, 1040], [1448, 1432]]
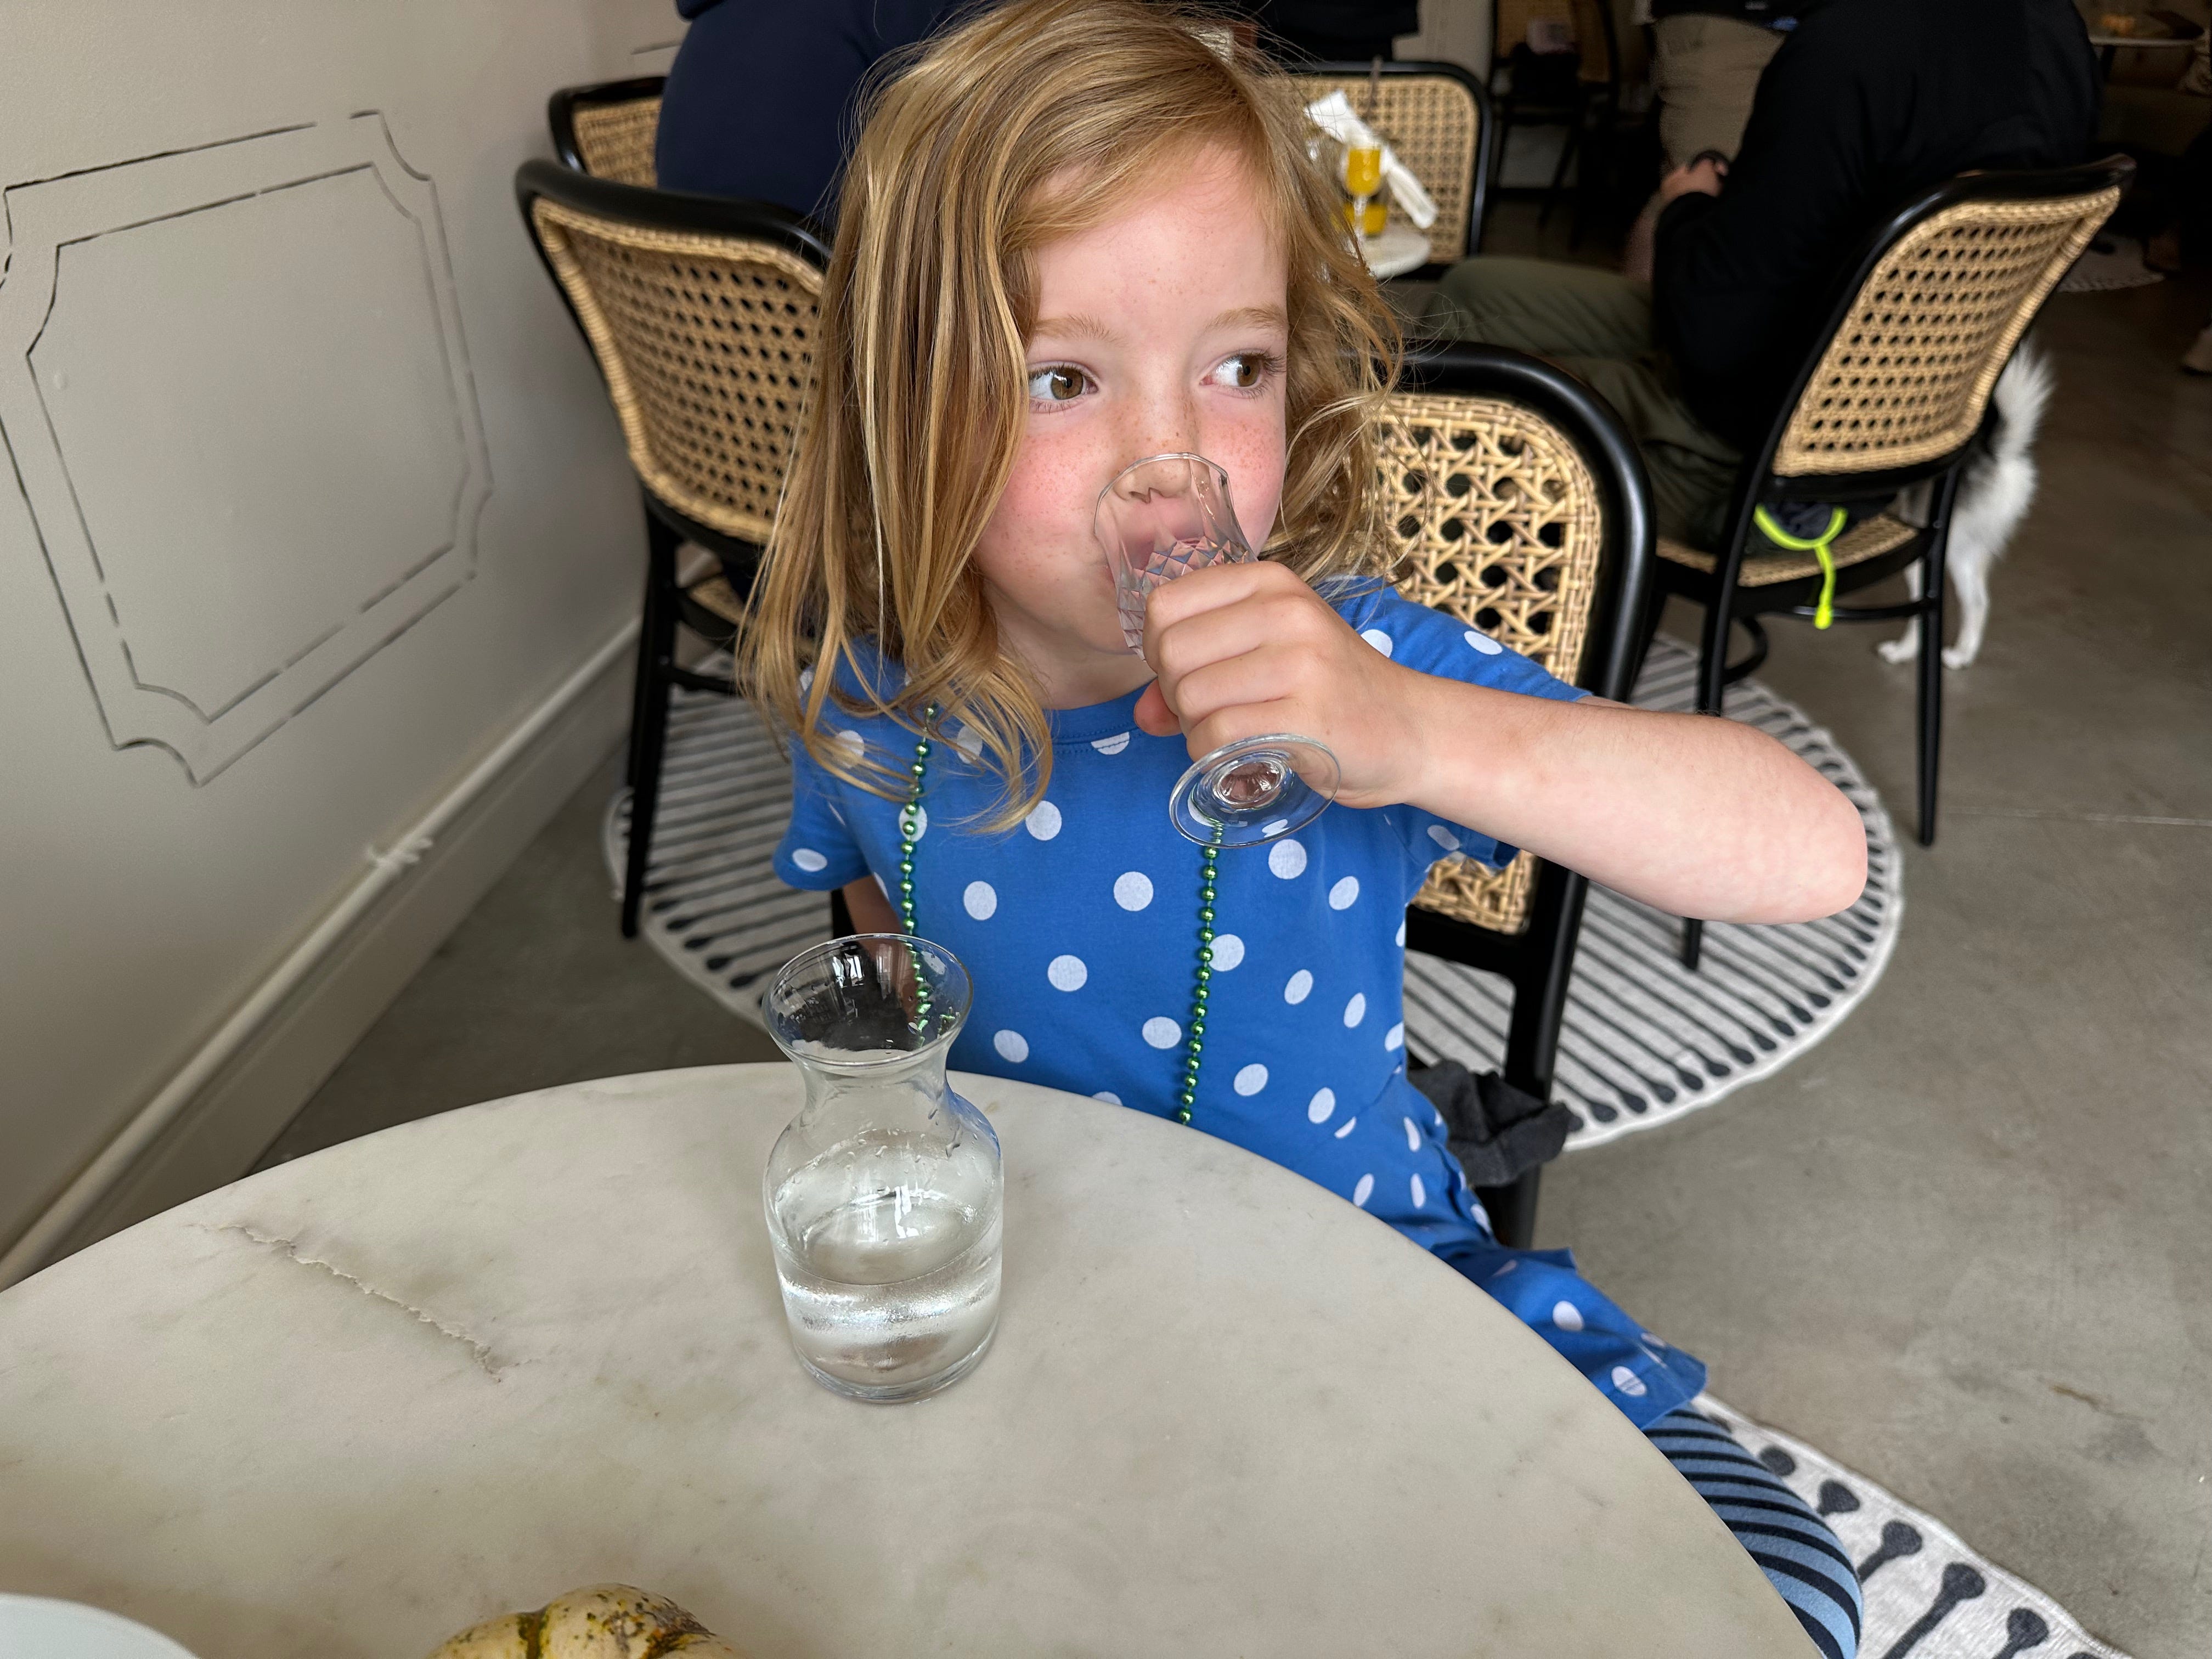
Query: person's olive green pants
[[1596, 325]]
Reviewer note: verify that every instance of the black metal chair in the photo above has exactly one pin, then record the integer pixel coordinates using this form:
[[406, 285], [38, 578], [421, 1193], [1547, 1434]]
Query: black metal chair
[[1522, 507], [701, 313], [1891, 395], [1580, 93], [609, 129], [1436, 118]]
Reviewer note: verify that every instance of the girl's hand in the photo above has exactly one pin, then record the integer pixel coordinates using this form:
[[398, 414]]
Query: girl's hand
[[1245, 649]]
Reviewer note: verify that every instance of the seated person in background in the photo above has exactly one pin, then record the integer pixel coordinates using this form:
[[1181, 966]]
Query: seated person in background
[[1867, 104], [1708, 58], [762, 100]]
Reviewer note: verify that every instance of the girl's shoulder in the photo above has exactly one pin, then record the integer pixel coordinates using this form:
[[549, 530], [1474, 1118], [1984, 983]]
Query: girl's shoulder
[[1432, 642]]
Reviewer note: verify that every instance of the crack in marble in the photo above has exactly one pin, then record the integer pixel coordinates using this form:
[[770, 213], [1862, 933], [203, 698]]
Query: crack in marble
[[289, 1248]]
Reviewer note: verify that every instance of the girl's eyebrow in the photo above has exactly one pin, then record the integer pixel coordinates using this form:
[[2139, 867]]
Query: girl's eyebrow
[[1081, 326], [1252, 317]]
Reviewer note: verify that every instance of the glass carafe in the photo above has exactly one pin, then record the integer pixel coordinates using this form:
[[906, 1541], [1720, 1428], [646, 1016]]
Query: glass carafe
[[884, 1195]]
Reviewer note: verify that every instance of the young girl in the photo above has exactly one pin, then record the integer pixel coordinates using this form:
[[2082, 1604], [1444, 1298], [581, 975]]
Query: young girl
[[1072, 235]]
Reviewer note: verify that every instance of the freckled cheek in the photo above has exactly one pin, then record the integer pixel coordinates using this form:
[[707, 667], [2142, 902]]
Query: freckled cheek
[[1251, 450], [1041, 528]]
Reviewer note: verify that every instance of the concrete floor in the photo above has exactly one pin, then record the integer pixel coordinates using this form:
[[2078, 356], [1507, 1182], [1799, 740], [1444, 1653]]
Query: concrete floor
[[1966, 1245]]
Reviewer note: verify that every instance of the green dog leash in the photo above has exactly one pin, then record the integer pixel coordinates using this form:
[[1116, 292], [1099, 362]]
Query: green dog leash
[[1824, 610]]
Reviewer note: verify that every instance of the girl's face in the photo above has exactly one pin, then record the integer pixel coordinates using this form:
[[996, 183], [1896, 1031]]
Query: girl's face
[[1162, 328]]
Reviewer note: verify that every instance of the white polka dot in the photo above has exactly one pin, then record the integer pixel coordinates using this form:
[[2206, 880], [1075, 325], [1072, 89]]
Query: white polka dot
[[1361, 1193], [1319, 1108], [805, 679], [851, 742], [1413, 1135], [1628, 1381], [880, 888], [1228, 952], [981, 900], [920, 821], [1133, 890], [1287, 859], [1396, 1037], [1113, 746], [1443, 838], [1566, 1315], [1420, 1193], [808, 860], [1043, 821], [1269, 831], [1356, 1010], [1162, 1032], [1299, 989], [1504, 1270], [1483, 644], [1011, 1045], [1350, 1124], [1647, 1337], [836, 812], [1344, 894], [964, 739], [1378, 639], [1251, 1079], [1109, 1096], [1066, 973], [1402, 933]]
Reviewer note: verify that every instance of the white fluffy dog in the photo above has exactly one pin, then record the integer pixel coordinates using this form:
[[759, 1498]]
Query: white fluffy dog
[[1994, 494]]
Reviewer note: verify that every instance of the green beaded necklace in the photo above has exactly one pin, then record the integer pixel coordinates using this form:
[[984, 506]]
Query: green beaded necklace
[[909, 822]]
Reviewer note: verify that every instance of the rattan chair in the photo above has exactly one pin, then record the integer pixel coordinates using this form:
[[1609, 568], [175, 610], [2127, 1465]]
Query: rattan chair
[[701, 313], [1520, 506], [1436, 116], [609, 129], [1891, 395]]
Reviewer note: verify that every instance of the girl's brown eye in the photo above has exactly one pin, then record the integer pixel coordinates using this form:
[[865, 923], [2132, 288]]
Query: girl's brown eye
[[1058, 384], [1244, 372]]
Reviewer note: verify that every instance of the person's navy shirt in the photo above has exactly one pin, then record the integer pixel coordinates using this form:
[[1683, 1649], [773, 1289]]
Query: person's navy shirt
[[761, 102]]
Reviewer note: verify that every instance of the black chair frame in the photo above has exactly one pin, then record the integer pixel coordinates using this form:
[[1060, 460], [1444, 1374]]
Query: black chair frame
[[1728, 603], [667, 603], [561, 110], [1538, 960], [1590, 117], [1485, 136]]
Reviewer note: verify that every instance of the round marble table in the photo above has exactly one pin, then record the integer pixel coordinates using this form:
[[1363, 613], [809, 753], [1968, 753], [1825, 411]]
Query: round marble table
[[355, 1403]]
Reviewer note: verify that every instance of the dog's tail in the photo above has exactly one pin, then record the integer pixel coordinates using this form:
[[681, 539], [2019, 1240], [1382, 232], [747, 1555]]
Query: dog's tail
[[2021, 396]]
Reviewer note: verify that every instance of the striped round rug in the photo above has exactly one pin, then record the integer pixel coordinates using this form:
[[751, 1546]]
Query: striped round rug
[[1644, 1042]]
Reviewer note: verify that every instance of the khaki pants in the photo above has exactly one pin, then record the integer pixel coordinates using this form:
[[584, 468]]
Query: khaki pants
[[1707, 72], [1596, 325]]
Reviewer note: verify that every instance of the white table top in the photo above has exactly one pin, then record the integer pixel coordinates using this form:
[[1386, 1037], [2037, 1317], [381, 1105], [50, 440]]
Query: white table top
[[1399, 249], [357, 1402]]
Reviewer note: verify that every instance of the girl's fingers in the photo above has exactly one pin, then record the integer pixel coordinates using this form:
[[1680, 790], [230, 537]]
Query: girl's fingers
[[1154, 717]]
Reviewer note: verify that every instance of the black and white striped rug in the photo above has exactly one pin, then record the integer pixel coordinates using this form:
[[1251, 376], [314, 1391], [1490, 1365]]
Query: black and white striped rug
[[1644, 1043]]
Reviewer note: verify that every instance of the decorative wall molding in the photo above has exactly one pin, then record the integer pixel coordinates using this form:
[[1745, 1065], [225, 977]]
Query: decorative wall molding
[[236, 396]]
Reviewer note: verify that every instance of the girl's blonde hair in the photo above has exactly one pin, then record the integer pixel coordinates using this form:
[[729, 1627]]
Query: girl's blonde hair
[[1026, 124]]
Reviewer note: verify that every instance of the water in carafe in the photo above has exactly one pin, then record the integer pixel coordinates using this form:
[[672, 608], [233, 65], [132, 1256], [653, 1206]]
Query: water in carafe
[[884, 1196]]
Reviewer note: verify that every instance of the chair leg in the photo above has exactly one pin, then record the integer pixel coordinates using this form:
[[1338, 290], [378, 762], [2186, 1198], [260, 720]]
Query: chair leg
[[641, 690], [649, 740], [1512, 1210], [1931, 656], [1559, 173]]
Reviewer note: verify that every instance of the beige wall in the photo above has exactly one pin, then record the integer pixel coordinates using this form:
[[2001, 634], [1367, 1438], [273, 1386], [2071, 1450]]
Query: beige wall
[[313, 495]]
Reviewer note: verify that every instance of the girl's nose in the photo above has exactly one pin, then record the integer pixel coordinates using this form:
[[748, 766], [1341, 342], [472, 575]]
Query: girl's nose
[[1163, 426]]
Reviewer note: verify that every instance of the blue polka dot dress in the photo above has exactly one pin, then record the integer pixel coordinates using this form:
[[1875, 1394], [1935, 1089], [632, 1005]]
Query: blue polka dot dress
[[1080, 929]]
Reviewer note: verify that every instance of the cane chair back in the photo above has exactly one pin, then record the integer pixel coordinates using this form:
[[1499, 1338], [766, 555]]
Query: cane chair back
[[608, 130], [1907, 374], [1436, 118], [706, 340], [1500, 522]]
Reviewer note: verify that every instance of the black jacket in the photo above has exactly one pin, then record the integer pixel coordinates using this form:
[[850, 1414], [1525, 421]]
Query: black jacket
[[1868, 103]]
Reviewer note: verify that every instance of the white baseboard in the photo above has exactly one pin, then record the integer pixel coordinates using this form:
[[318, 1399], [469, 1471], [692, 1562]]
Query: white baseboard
[[225, 1124]]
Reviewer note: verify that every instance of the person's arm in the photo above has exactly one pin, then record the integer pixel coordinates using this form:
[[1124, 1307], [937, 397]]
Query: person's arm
[[870, 911], [1700, 817], [1732, 272]]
